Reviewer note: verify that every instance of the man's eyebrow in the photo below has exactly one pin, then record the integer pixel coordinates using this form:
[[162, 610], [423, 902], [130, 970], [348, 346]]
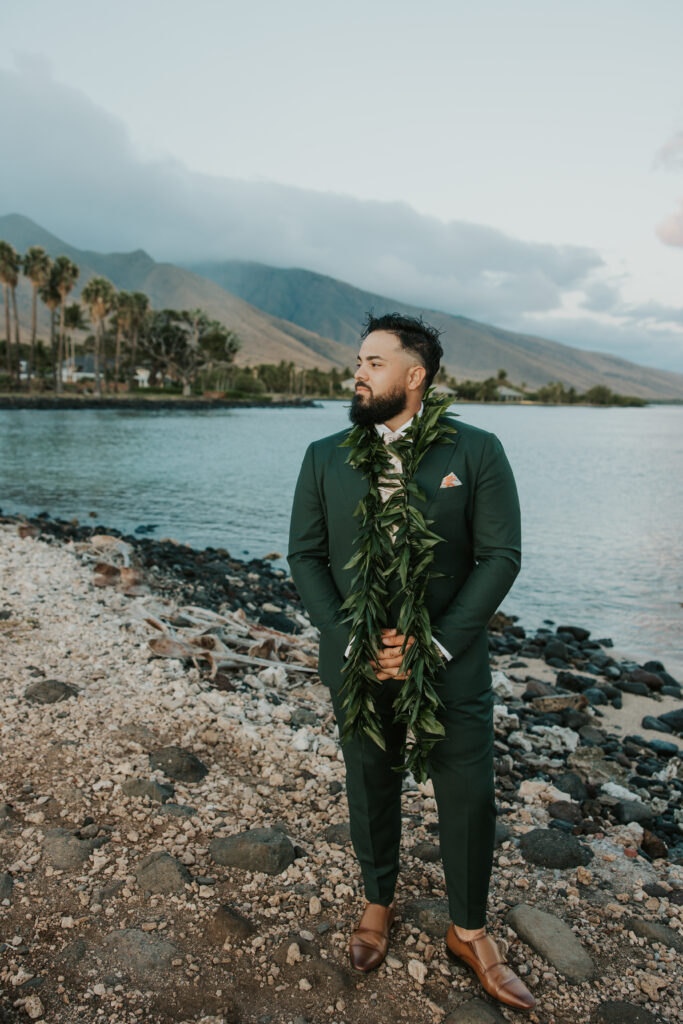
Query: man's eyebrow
[[369, 357]]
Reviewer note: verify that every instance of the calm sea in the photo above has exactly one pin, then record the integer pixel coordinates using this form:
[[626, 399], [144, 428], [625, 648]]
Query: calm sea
[[601, 493]]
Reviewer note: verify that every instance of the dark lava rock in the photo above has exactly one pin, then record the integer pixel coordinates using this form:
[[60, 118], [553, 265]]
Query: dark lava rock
[[556, 649], [615, 1011], [340, 834], [72, 953], [49, 691], [503, 833], [674, 719], [63, 850], [595, 695], [141, 952], [432, 916], [157, 791], [650, 722], [633, 810], [178, 764], [578, 632], [277, 620], [651, 679], [592, 736], [475, 1011], [549, 848], [259, 849], [573, 784], [229, 923], [655, 932], [177, 810], [303, 716], [428, 852], [662, 747], [6, 885], [160, 872], [653, 846], [640, 689], [563, 810]]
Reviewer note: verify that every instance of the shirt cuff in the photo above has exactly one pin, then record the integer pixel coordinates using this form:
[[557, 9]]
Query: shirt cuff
[[443, 650]]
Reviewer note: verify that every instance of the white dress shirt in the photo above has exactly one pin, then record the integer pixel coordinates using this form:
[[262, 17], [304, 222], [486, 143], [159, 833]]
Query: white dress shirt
[[382, 429]]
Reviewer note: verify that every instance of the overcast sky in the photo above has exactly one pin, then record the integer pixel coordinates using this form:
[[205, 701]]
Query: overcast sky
[[518, 163]]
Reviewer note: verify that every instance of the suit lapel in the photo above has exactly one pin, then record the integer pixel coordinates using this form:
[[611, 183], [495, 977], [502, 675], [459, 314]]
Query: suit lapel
[[430, 473]]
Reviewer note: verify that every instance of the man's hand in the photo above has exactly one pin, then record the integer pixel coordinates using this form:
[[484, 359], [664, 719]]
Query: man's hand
[[390, 657]]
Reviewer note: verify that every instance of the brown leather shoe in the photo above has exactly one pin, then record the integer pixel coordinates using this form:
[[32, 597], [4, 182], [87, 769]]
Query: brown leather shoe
[[370, 941], [488, 963]]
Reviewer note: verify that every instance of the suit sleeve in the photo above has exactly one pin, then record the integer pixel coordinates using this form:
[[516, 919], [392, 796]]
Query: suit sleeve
[[497, 545], [308, 554]]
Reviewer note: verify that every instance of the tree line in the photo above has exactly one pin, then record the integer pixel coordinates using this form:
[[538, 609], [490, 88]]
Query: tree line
[[125, 330]]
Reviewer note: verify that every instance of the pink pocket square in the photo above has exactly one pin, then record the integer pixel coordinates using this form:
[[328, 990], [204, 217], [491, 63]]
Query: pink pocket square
[[451, 481]]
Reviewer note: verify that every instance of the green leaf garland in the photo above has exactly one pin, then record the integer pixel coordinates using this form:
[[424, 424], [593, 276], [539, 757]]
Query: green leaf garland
[[376, 559]]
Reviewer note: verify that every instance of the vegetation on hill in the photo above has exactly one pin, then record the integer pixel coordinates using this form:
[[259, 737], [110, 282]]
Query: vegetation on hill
[[179, 351]]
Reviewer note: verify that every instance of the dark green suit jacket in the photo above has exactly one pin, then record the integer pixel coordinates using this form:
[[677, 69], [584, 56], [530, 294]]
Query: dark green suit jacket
[[480, 554]]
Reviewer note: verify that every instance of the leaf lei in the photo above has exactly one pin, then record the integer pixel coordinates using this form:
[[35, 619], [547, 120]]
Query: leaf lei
[[377, 559]]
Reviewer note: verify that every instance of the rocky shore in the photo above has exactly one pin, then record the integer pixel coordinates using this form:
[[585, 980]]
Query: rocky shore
[[173, 828]]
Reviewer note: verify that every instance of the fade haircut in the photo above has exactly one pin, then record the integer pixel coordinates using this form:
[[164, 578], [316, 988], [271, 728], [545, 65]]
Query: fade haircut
[[415, 336]]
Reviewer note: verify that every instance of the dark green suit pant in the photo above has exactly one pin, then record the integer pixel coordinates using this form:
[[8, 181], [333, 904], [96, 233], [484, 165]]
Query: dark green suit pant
[[461, 769]]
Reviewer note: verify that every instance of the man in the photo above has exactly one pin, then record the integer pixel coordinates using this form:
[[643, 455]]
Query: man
[[466, 495]]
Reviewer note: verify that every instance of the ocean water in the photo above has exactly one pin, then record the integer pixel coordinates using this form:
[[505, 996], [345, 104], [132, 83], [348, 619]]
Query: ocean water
[[601, 493]]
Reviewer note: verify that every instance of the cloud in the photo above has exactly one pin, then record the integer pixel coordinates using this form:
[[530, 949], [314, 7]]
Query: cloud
[[74, 170], [670, 156]]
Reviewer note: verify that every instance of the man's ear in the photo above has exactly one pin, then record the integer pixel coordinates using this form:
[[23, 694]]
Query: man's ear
[[416, 377]]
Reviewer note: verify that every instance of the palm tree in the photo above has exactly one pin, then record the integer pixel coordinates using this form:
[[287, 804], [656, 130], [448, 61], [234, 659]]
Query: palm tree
[[74, 320], [66, 275], [122, 319], [10, 264], [99, 295], [49, 294], [37, 266], [139, 310]]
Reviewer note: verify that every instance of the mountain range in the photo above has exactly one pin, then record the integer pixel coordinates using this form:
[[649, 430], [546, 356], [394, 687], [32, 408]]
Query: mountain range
[[314, 320]]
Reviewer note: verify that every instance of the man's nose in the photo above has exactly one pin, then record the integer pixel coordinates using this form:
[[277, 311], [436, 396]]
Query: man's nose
[[360, 374]]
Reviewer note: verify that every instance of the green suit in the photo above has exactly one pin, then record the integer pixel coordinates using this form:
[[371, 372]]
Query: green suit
[[478, 519]]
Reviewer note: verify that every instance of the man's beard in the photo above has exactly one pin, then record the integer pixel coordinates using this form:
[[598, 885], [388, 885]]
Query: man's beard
[[366, 412]]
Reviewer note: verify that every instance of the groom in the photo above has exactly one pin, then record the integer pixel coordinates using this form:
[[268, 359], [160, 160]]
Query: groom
[[468, 497]]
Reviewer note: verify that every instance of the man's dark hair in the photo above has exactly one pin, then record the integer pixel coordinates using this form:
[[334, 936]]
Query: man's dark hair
[[415, 336]]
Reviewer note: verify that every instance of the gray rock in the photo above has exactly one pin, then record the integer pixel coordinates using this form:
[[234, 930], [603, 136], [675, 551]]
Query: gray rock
[[655, 932], [303, 716], [553, 940], [617, 1012], [140, 952], [476, 1011], [177, 810], [593, 766], [159, 792], [503, 832], [6, 885], [229, 923], [160, 872], [64, 850], [339, 833], [633, 810], [674, 719], [428, 852], [571, 783], [49, 691], [650, 722], [565, 810], [73, 952], [178, 764], [259, 849], [431, 916], [550, 848]]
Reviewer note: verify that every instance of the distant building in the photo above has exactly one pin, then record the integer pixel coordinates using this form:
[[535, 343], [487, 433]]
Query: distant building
[[506, 394], [84, 369]]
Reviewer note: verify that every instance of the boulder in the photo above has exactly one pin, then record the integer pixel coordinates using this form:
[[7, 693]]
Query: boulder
[[160, 872], [176, 763], [259, 849], [550, 848], [554, 940]]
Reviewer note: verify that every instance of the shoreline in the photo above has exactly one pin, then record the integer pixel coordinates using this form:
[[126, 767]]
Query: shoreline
[[159, 701], [136, 402]]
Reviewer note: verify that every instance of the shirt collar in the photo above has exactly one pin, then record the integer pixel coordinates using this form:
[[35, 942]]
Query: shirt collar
[[382, 428]]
